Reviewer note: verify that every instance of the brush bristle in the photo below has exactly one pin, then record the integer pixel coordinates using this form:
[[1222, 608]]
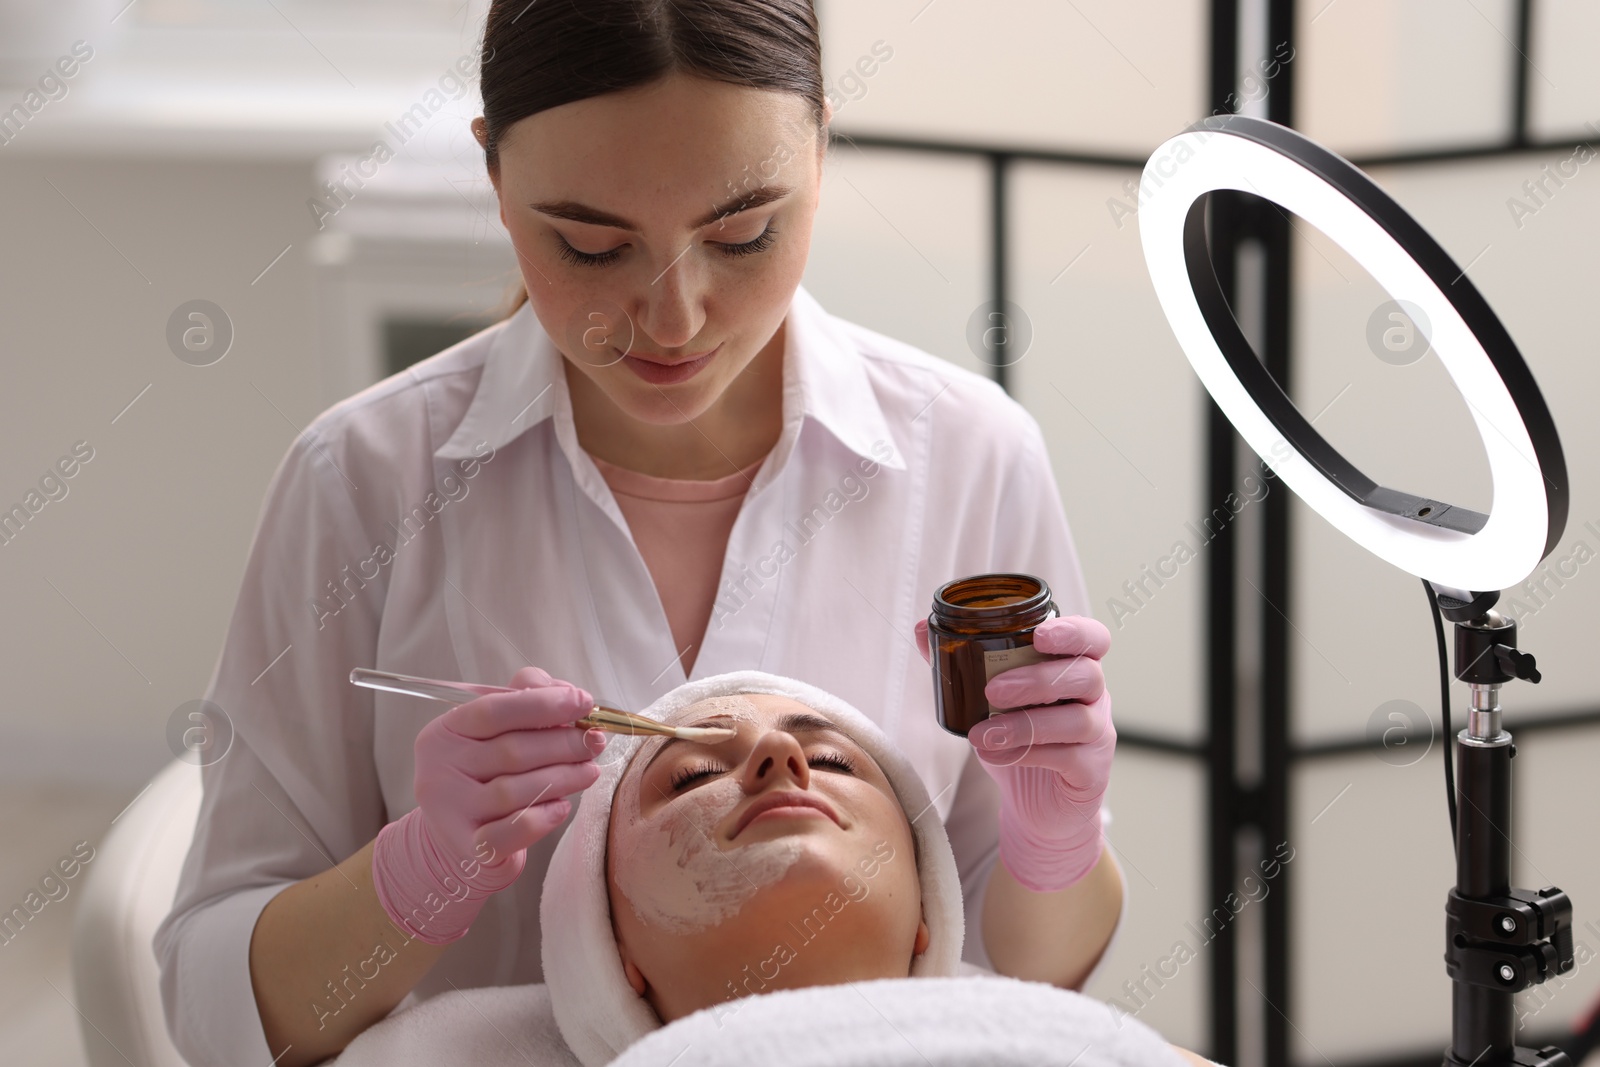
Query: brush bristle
[[706, 733]]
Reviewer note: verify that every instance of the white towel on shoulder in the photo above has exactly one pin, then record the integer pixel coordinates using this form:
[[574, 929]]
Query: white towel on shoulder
[[890, 1022], [907, 1022]]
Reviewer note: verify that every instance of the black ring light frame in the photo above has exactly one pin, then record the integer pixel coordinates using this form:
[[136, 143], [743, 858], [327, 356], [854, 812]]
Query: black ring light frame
[[1444, 273]]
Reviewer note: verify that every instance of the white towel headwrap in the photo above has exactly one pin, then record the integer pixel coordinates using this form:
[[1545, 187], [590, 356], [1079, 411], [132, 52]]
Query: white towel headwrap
[[597, 1010]]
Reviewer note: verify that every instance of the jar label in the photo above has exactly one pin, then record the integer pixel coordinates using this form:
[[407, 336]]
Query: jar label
[[1006, 658]]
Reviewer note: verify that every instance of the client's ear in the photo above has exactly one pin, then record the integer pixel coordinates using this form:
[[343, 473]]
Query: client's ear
[[635, 976], [921, 945]]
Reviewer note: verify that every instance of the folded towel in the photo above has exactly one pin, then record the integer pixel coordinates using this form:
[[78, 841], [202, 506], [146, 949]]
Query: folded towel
[[907, 1022], [512, 1026]]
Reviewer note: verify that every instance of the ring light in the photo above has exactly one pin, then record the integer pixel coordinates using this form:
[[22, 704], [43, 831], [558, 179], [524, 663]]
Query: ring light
[[1448, 545]]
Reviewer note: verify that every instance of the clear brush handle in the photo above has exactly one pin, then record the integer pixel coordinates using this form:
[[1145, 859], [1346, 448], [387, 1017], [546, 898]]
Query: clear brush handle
[[435, 688], [601, 716]]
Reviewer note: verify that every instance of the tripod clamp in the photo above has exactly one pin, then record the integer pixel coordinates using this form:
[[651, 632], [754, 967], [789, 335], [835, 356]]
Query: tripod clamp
[[1509, 943], [1498, 940]]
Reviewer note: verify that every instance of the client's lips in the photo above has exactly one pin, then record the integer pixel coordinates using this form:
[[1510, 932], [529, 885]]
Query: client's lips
[[783, 798]]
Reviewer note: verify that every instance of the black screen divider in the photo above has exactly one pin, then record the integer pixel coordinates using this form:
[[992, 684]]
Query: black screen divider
[[1277, 581], [1224, 807]]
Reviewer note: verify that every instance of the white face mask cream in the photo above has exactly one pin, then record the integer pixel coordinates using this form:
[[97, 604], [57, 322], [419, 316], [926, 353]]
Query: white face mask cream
[[676, 877]]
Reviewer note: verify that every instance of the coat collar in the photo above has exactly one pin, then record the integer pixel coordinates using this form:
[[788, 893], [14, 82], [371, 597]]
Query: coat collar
[[824, 377]]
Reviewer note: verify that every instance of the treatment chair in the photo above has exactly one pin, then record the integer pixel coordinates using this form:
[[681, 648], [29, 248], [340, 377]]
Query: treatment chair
[[127, 892]]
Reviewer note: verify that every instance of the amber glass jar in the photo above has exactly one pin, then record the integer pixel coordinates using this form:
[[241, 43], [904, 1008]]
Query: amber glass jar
[[980, 626]]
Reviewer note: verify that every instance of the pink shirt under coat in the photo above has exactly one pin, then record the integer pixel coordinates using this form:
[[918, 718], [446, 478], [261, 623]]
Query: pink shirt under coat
[[681, 528]]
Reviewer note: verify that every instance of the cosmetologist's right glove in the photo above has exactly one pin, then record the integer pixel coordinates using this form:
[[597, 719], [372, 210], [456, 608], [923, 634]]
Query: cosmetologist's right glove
[[491, 779]]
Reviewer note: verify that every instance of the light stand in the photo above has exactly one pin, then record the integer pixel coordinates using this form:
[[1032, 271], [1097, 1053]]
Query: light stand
[[1499, 940]]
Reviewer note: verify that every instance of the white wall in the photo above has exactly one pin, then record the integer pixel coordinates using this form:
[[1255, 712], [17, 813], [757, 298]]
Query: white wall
[[117, 595]]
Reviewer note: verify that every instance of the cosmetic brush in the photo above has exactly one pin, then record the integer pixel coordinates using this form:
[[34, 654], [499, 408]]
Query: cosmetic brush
[[600, 716]]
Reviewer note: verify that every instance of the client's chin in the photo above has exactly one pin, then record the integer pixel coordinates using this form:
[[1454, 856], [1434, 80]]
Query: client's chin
[[842, 911]]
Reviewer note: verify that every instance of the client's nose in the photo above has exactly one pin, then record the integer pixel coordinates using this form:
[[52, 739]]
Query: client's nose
[[776, 754]]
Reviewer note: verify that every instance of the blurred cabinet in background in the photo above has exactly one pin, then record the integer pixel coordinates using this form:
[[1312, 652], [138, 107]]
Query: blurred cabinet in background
[[411, 258]]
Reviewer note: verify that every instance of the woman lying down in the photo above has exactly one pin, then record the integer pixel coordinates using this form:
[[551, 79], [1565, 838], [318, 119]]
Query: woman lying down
[[794, 903]]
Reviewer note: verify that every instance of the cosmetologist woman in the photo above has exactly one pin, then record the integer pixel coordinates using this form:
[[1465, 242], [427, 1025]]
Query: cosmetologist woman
[[667, 462]]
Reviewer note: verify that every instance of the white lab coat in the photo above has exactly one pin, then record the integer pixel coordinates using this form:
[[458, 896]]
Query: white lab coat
[[446, 523]]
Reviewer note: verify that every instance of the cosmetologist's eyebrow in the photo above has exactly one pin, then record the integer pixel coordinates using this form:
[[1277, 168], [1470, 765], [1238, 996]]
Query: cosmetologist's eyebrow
[[793, 722], [576, 212]]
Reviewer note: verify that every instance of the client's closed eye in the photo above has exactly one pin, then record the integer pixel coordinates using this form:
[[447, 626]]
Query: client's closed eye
[[693, 772]]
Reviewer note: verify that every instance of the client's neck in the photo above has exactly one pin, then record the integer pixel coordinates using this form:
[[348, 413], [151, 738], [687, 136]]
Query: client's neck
[[817, 942]]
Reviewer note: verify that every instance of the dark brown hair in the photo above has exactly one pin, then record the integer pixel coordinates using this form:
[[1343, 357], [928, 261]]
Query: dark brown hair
[[540, 54]]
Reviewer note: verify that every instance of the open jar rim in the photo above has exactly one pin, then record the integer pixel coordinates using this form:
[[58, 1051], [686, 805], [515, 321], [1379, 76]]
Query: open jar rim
[[972, 598]]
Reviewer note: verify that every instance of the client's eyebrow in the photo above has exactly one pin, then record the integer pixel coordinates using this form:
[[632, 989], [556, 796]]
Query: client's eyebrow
[[793, 722], [576, 212]]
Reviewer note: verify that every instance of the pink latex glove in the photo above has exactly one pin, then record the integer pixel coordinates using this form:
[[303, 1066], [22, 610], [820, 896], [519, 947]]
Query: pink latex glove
[[491, 778], [1052, 764]]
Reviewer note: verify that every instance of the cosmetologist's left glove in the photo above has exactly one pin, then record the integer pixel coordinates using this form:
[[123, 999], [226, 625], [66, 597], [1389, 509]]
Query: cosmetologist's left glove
[[1052, 764]]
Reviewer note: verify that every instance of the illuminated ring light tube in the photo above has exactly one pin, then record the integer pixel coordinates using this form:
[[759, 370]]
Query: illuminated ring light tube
[[1451, 546]]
